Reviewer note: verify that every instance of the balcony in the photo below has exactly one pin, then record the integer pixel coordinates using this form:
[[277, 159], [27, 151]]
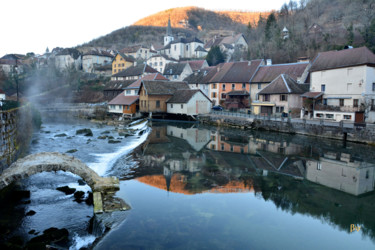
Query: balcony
[[320, 107]]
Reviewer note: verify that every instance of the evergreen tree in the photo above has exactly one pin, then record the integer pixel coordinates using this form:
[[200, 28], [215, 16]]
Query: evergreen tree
[[215, 56]]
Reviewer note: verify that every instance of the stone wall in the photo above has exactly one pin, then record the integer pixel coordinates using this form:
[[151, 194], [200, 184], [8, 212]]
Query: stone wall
[[361, 134]]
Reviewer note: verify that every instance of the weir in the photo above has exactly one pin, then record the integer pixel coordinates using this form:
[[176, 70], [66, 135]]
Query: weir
[[103, 188]]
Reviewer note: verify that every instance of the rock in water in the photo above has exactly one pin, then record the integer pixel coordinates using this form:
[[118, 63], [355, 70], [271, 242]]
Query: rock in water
[[67, 190]]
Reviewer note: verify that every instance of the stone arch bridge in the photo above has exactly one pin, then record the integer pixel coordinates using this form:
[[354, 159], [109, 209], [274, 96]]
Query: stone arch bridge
[[103, 188]]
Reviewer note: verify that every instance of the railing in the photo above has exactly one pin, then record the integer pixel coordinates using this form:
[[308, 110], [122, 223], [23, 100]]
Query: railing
[[338, 108]]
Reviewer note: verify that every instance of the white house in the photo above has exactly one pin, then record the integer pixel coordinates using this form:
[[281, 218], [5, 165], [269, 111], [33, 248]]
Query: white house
[[197, 138], [2, 95], [347, 80], [158, 62], [183, 48], [95, 58], [189, 102], [137, 51]]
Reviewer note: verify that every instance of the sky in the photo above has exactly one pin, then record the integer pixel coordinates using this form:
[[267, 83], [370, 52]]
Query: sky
[[34, 25]]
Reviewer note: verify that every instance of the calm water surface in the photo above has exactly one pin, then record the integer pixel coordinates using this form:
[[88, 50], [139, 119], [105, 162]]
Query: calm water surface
[[197, 187]]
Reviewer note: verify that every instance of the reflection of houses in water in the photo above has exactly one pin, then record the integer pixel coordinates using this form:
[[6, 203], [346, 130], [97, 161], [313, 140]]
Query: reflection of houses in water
[[278, 147], [197, 138], [341, 172], [221, 142]]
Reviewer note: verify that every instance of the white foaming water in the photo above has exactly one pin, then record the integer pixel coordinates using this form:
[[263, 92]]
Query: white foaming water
[[83, 241], [106, 161]]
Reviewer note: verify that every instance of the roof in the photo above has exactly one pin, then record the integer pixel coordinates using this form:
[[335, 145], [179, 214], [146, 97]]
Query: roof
[[13, 56], [183, 95], [152, 77], [216, 41], [174, 68], [118, 85], [163, 87], [235, 72], [69, 51], [184, 41], [98, 53], [312, 95], [284, 84], [164, 56], [268, 73], [238, 92], [137, 70], [200, 48], [132, 49], [201, 77], [127, 58], [195, 64], [343, 58], [121, 99]]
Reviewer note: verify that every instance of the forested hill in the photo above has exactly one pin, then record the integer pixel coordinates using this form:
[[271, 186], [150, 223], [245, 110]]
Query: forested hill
[[313, 26]]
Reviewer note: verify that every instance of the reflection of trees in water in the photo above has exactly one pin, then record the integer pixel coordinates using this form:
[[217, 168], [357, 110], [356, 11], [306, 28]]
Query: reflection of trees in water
[[328, 205]]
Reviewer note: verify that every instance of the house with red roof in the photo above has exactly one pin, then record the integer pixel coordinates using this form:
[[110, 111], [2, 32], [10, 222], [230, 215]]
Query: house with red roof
[[346, 81]]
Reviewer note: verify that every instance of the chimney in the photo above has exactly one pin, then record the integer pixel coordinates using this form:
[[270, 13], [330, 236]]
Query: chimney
[[269, 62]]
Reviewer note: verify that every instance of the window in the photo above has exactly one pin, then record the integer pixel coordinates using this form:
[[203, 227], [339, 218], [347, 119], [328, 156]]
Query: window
[[224, 87], [128, 107], [283, 98], [266, 98], [182, 135], [233, 86], [182, 106], [171, 105], [214, 86], [324, 101], [175, 47], [161, 63], [243, 85], [323, 87], [213, 147], [115, 70], [242, 150], [341, 102], [329, 116], [231, 148], [347, 117], [128, 92], [222, 146], [115, 65], [213, 94], [259, 86], [280, 109], [187, 47], [355, 103], [121, 59], [158, 104], [223, 95], [350, 70], [373, 86], [372, 104], [119, 65]]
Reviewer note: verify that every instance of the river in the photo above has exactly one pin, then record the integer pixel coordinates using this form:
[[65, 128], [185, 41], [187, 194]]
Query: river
[[199, 187]]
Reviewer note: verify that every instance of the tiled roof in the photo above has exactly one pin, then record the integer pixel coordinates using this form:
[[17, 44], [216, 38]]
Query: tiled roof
[[312, 95], [343, 58], [195, 64], [121, 99], [163, 87], [118, 85], [136, 71], [152, 77], [201, 77], [235, 72], [200, 48], [183, 95], [174, 68], [98, 53], [268, 73], [284, 84]]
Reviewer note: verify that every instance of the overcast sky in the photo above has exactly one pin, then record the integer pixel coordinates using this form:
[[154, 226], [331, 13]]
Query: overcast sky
[[34, 25]]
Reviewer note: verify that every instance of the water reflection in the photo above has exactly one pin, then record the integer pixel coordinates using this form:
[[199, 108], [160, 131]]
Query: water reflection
[[312, 178], [205, 159]]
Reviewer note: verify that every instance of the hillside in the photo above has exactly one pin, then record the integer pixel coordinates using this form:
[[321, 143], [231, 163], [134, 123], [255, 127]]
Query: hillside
[[313, 25]]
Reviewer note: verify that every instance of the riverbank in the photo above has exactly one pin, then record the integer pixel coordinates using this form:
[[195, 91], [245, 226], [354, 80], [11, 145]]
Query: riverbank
[[324, 129]]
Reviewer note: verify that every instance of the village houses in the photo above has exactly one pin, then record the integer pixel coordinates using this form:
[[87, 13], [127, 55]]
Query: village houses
[[95, 58], [121, 62], [138, 52], [68, 59], [345, 80], [159, 61], [177, 71]]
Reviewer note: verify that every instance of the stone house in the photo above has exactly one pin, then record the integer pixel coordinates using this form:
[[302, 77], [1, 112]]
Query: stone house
[[347, 80], [177, 71], [190, 102], [68, 59], [121, 62], [158, 62], [282, 95], [95, 58], [153, 95]]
